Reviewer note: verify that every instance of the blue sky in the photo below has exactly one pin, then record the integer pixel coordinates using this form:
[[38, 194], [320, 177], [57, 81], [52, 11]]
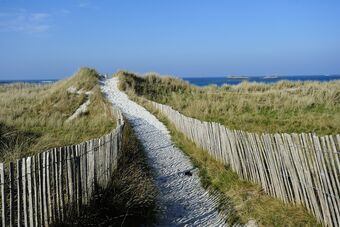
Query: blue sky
[[52, 39]]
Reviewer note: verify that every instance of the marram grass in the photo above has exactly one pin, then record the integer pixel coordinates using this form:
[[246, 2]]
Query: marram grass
[[33, 117], [285, 106]]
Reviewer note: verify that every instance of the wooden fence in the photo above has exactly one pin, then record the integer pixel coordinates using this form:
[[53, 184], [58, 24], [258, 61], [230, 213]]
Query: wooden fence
[[44, 189], [297, 168]]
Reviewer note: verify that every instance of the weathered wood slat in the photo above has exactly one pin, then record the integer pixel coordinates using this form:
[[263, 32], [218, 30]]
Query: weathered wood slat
[[35, 190], [61, 187], [30, 190], [56, 185], [24, 191], [69, 177], [19, 195], [53, 191], [41, 191], [48, 189], [3, 194], [11, 193], [45, 199], [84, 172], [78, 184]]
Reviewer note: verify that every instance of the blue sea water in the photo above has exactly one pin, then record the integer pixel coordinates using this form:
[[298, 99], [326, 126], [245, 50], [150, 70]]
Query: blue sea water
[[27, 81], [203, 81]]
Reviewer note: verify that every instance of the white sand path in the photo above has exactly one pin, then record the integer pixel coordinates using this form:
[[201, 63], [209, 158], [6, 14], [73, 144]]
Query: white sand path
[[83, 107], [182, 200]]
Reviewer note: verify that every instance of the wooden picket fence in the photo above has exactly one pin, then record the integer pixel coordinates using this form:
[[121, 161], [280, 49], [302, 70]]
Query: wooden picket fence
[[297, 168], [47, 188]]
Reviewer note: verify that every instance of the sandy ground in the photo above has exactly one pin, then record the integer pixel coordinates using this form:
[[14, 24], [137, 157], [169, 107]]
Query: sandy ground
[[83, 107], [182, 200]]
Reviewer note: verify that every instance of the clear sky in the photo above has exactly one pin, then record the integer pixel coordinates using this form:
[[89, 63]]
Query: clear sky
[[52, 39]]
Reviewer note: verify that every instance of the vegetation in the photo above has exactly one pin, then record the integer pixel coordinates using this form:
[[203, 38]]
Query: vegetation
[[33, 118], [245, 201], [281, 107], [130, 200]]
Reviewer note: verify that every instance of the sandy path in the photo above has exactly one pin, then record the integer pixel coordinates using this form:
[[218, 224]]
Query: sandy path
[[182, 201]]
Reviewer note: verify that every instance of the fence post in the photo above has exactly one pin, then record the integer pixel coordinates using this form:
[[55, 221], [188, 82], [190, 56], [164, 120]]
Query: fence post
[[84, 175], [29, 186], [56, 185], [35, 187], [48, 180], [45, 199], [52, 186], [11, 194], [78, 184], [3, 194], [24, 191], [41, 191], [19, 176], [61, 184], [69, 176]]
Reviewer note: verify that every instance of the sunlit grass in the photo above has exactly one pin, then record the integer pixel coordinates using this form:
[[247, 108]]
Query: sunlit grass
[[33, 117], [255, 107]]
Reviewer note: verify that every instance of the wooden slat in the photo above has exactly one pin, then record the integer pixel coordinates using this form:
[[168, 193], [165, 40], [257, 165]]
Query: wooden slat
[[41, 192], [30, 190], [3, 194], [61, 183], [35, 190], [19, 195], [45, 199], [48, 189], [90, 163], [11, 193], [70, 177], [56, 185], [52, 182], [84, 173], [74, 175], [78, 185], [24, 191]]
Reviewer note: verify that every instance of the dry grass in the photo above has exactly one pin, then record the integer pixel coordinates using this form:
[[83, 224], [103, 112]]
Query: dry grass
[[245, 201], [33, 117], [255, 107]]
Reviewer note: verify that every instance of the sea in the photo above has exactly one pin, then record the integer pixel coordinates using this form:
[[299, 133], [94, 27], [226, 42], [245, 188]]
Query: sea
[[27, 81], [219, 81]]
